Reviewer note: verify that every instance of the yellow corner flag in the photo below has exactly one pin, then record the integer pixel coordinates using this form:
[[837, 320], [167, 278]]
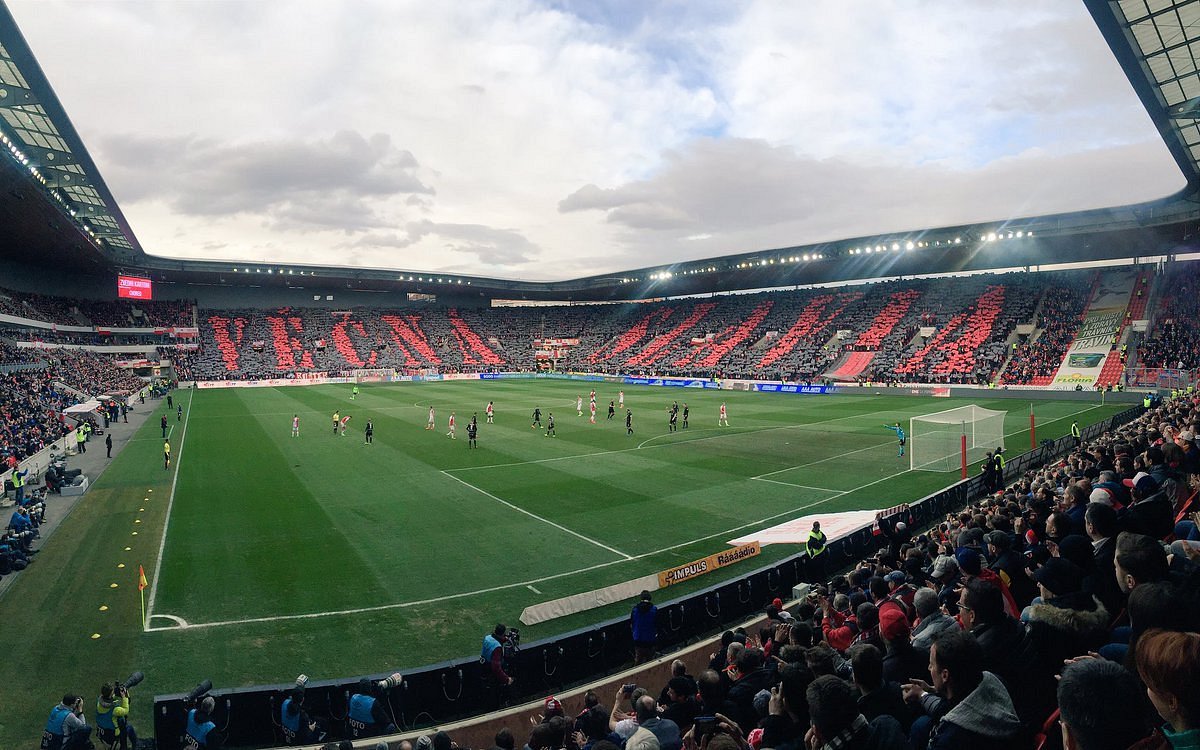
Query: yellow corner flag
[[142, 591]]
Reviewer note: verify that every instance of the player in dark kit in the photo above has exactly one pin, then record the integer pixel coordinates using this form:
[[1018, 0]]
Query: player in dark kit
[[550, 425], [611, 410], [628, 422], [672, 420], [537, 418], [685, 415], [472, 433], [369, 432]]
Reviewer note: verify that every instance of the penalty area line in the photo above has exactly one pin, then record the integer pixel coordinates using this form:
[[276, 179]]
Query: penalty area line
[[535, 516]]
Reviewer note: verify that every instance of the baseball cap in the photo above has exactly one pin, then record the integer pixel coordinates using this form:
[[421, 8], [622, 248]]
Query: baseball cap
[[1136, 478], [943, 565], [1101, 495], [1060, 576], [553, 706], [892, 623], [1187, 436], [1143, 484], [897, 577], [999, 539], [969, 561], [777, 603]]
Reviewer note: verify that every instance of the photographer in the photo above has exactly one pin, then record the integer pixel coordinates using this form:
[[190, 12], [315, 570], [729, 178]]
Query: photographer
[[201, 733], [492, 654], [112, 716], [66, 729], [367, 716], [298, 727]]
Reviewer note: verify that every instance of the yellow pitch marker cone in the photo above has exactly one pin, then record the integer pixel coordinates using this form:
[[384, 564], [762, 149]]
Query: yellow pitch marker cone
[[103, 607], [95, 636], [120, 565], [112, 585]]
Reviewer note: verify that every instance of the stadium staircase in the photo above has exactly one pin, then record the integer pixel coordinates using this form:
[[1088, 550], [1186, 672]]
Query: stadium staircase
[[852, 366], [228, 341], [815, 316], [659, 347], [720, 346], [960, 339], [470, 339], [1114, 364], [405, 330]]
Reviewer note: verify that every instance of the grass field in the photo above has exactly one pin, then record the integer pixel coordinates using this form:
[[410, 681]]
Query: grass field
[[325, 555]]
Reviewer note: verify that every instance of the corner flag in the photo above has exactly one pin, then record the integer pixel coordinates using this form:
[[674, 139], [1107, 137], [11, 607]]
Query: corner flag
[[142, 591]]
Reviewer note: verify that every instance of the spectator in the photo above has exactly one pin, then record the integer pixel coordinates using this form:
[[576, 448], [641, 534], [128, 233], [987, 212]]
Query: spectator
[[1088, 693], [1169, 664], [971, 708], [931, 620], [837, 723]]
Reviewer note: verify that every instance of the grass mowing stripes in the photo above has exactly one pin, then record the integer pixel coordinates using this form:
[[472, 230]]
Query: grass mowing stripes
[[412, 529]]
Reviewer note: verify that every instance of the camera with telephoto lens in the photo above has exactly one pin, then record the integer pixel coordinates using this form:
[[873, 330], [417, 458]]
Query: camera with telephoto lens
[[512, 642], [197, 693], [132, 680], [390, 681]]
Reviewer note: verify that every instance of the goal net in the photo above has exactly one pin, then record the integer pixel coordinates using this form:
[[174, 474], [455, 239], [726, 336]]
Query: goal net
[[936, 440]]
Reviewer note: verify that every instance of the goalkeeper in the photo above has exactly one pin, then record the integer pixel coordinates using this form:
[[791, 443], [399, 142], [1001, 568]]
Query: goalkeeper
[[896, 428]]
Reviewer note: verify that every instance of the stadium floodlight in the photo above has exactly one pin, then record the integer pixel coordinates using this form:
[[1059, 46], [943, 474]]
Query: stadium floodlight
[[909, 246], [958, 240], [954, 438]]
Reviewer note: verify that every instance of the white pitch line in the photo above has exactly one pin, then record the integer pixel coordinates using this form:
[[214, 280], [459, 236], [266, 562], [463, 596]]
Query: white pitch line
[[519, 509], [162, 543], [565, 574], [531, 588], [801, 486]]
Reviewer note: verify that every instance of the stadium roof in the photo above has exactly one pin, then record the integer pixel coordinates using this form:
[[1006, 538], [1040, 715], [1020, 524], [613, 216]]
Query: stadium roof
[[78, 224]]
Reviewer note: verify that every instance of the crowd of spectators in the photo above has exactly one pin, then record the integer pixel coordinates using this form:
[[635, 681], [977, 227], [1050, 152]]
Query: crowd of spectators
[[74, 311], [797, 335], [1058, 320], [32, 413], [1174, 341]]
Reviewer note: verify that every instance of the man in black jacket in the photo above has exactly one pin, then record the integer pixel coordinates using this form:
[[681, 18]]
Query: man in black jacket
[[1100, 523], [752, 677], [1008, 649]]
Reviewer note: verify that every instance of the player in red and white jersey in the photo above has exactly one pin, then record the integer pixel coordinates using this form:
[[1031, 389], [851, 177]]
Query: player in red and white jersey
[[345, 421], [451, 434], [592, 397], [431, 424], [579, 406], [295, 425], [592, 409], [620, 399], [490, 410], [723, 420]]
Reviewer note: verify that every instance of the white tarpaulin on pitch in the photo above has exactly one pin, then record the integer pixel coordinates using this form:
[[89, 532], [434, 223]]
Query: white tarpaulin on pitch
[[834, 526]]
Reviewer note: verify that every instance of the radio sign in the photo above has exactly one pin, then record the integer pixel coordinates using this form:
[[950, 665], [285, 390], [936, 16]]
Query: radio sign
[[134, 287]]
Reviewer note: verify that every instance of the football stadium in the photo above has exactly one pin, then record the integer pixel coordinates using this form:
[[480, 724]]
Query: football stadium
[[600, 375]]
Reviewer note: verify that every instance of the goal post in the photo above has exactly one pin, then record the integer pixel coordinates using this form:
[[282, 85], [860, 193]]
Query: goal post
[[954, 438]]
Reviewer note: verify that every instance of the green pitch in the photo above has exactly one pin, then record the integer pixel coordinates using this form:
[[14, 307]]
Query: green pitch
[[326, 555]]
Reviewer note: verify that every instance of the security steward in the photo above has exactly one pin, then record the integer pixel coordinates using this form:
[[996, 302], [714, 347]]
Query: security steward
[[201, 733], [112, 717], [1075, 433], [815, 545], [366, 716]]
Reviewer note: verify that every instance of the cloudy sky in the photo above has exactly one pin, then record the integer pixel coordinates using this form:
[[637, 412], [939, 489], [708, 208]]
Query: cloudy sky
[[557, 138]]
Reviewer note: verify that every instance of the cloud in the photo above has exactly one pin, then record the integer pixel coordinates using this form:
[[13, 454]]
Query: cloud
[[317, 183], [482, 244], [559, 138]]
